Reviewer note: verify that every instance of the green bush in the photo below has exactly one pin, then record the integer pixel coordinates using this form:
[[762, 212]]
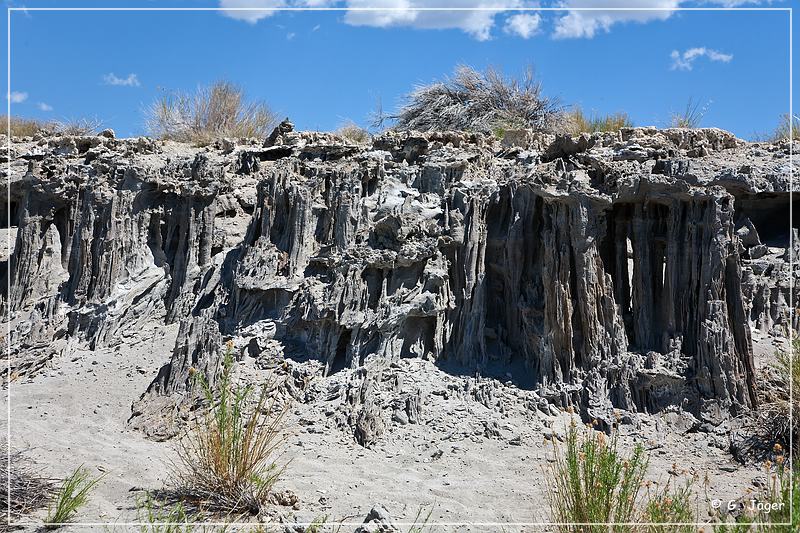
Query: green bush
[[593, 482], [227, 458]]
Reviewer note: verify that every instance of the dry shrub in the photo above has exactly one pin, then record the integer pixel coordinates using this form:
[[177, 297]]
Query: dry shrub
[[210, 113], [227, 459], [477, 101], [26, 127], [29, 490], [771, 423], [354, 133], [578, 122], [23, 127], [78, 126], [787, 128]]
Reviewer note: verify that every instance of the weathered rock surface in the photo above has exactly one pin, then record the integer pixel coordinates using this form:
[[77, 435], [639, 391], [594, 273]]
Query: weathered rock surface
[[612, 271]]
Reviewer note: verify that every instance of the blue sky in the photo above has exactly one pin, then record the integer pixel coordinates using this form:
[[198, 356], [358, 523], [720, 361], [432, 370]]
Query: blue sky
[[323, 69]]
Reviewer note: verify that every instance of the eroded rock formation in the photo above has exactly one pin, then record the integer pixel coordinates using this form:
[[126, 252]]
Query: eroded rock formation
[[612, 271]]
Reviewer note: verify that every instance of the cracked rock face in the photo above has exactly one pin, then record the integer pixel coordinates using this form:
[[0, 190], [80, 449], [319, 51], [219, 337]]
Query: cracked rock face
[[613, 271]]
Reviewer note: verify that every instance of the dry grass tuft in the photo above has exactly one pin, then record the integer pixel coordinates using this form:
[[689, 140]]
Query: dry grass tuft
[[29, 490], [354, 133], [227, 459], [79, 126], [578, 122], [208, 114], [26, 127], [787, 128], [479, 101], [23, 127]]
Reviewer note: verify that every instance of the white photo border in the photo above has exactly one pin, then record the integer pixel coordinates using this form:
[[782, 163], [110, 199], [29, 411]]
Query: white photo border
[[498, 10]]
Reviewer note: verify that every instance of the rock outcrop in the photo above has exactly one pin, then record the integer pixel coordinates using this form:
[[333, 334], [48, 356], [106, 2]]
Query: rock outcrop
[[607, 271]]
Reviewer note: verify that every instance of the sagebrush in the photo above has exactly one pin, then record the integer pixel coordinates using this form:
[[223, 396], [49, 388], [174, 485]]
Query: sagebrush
[[209, 113]]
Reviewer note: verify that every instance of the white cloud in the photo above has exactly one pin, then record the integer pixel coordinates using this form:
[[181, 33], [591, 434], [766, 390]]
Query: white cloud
[[685, 60], [315, 28], [250, 16], [44, 107], [576, 24], [290, 35], [476, 23], [131, 81], [17, 97], [525, 25]]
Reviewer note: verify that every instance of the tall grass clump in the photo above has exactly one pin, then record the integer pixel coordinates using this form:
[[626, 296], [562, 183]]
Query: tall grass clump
[[23, 127], [481, 102], [578, 122], [593, 482], [71, 496], [787, 128], [210, 113], [227, 459], [691, 116]]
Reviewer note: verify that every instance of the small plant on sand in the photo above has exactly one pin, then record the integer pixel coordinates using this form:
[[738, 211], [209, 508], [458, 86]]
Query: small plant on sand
[[22, 489], [209, 113], [73, 494], [578, 122], [479, 101], [226, 460], [593, 482], [671, 504], [159, 518], [421, 521], [771, 424]]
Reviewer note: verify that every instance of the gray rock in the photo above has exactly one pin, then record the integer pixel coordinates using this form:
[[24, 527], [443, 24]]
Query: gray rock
[[571, 263]]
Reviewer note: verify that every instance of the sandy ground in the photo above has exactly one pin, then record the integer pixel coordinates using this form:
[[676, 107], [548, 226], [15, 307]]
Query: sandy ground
[[75, 413]]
